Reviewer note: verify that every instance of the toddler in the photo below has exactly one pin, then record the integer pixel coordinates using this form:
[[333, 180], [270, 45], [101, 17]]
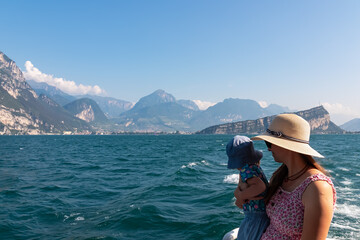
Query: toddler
[[251, 188]]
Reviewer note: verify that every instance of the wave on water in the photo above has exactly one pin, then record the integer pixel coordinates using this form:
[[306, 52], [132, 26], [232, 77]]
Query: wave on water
[[336, 225], [232, 179], [346, 182], [344, 169], [193, 164], [352, 211]]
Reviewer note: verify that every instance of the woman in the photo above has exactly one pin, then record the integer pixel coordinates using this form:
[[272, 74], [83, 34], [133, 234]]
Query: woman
[[301, 198]]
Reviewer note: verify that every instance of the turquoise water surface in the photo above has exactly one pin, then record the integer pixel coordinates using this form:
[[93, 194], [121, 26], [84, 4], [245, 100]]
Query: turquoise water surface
[[145, 186]]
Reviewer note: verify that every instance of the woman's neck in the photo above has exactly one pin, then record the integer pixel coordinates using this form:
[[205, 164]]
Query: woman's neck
[[295, 164]]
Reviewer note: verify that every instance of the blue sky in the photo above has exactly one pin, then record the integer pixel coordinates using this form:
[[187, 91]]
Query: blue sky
[[297, 54]]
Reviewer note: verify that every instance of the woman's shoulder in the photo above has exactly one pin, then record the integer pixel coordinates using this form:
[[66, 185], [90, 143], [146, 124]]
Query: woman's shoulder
[[319, 184]]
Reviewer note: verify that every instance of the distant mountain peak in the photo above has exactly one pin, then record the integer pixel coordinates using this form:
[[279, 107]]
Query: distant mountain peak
[[352, 125], [157, 97], [167, 97]]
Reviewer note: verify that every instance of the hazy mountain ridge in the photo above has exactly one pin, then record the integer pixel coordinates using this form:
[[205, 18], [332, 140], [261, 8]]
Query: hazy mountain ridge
[[53, 92], [111, 107], [352, 125]]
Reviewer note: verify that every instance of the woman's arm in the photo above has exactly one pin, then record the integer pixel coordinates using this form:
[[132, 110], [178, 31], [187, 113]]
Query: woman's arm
[[318, 202]]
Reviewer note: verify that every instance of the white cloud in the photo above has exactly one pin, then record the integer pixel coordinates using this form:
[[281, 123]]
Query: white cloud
[[340, 113], [70, 87], [263, 104], [338, 108], [203, 105]]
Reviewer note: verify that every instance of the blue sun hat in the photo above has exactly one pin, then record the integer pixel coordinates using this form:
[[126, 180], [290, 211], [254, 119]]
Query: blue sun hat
[[240, 151]]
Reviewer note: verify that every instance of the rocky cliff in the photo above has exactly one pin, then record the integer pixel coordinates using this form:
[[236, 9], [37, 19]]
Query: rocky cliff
[[86, 109], [318, 118], [22, 111]]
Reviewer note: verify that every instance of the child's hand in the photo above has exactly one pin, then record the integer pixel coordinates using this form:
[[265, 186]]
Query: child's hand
[[239, 200]]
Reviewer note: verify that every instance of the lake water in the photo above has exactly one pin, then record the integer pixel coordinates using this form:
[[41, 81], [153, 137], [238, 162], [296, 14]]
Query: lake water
[[145, 186]]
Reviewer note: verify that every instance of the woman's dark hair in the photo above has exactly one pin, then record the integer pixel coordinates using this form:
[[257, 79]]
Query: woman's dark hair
[[281, 173]]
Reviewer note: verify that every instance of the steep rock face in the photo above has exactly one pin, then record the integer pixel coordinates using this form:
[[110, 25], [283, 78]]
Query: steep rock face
[[12, 79], [87, 114], [14, 90], [318, 118], [23, 112], [86, 109]]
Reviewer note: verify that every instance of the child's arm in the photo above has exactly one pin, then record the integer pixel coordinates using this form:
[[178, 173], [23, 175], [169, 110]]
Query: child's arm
[[255, 187]]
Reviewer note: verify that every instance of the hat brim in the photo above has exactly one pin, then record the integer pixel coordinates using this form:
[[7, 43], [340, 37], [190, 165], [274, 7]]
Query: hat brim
[[294, 146], [235, 162]]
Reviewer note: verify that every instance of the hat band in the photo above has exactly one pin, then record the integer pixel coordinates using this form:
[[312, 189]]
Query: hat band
[[281, 135]]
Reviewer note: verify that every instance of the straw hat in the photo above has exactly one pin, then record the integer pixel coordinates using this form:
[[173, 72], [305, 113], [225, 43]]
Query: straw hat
[[291, 132]]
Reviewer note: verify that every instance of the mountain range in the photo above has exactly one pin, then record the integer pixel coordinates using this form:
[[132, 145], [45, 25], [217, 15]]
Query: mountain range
[[29, 107]]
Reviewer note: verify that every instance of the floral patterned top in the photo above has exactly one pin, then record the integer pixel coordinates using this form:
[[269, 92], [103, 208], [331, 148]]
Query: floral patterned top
[[286, 210], [249, 171]]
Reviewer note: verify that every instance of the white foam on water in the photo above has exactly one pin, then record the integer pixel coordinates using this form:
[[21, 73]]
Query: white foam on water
[[66, 217], [233, 179], [79, 219], [345, 190], [352, 211], [358, 174], [205, 162], [189, 165], [344, 169], [192, 164], [336, 225], [346, 181]]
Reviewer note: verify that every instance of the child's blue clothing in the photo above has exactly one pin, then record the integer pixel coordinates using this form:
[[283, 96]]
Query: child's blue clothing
[[256, 220]]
